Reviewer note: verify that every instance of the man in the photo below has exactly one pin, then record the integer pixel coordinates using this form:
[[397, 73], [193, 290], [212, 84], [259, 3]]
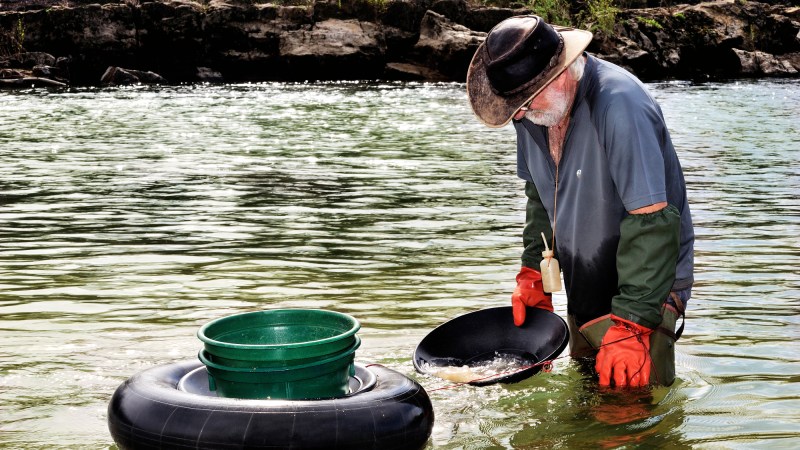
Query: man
[[603, 184]]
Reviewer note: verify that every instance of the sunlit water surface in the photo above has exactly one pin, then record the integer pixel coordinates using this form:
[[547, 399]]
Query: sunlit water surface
[[131, 217]]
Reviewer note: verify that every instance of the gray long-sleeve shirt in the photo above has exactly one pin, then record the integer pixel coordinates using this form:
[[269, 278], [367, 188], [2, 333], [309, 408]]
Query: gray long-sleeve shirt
[[617, 157]]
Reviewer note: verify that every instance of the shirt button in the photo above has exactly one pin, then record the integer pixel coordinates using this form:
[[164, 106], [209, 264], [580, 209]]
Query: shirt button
[[578, 173]]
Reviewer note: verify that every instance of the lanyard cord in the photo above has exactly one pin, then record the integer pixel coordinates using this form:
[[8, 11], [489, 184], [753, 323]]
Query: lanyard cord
[[555, 211]]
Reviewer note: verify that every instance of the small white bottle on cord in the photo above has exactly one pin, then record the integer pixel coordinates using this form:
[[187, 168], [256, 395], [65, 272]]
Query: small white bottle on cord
[[551, 272]]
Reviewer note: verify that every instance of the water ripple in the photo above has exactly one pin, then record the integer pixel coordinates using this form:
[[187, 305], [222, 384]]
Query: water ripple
[[131, 216]]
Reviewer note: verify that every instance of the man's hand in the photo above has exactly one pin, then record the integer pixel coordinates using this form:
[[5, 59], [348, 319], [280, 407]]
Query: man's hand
[[624, 355], [529, 292]]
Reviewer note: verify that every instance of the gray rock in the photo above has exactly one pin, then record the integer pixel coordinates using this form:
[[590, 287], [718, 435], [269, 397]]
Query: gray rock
[[8, 74], [30, 59], [45, 71], [29, 82], [485, 18], [119, 76], [207, 75], [454, 10], [116, 75], [333, 37], [793, 59], [362, 10], [773, 67], [334, 49], [412, 72], [404, 14], [747, 61], [760, 63], [446, 46], [147, 77]]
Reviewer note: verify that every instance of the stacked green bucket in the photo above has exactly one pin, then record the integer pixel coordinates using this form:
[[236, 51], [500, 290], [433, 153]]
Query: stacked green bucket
[[280, 354]]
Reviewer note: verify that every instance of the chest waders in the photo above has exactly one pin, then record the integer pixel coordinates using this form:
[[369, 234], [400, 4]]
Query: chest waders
[[585, 340]]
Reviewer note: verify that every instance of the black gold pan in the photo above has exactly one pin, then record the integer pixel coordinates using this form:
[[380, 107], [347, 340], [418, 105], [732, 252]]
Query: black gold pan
[[479, 336]]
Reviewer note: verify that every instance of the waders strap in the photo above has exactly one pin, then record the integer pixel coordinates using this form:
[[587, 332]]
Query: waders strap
[[679, 308], [674, 336]]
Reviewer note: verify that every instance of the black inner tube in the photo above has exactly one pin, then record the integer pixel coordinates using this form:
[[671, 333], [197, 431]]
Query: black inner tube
[[149, 411]]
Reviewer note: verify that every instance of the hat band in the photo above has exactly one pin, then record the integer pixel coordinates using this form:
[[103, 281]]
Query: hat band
[[538, 78]]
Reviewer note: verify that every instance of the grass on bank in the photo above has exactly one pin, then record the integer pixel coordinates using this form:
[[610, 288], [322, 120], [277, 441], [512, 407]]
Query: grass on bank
[[593, 15], [11, 40]]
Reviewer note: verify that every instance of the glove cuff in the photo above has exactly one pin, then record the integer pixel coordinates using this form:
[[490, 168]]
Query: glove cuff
[[528, 274], [633, 326]]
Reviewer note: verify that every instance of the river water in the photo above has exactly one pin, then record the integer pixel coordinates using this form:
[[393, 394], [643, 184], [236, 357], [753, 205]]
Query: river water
[[130, 217]]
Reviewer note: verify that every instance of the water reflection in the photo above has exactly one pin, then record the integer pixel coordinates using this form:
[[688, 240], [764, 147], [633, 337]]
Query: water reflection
[[130, 217]]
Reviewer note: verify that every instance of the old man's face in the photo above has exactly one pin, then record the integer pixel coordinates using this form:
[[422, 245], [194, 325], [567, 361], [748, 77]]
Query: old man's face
[[550, 106]]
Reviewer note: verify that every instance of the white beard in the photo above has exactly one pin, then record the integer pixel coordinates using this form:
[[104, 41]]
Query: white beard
[[559, 105]]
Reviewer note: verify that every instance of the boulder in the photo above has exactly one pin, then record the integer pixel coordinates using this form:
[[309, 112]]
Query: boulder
[[717, 39], [399, 43], [760, 63], [44, 71], [363, 10], [485, 18], [29, 82], [245, 40], [147, 77], [793, 59], [63, 64], [9, 74], [637, 59], [207, 75], [454, 10], [446, 46], [119, 76], [29, 60], [412, 72], [334, 49], [404, 14]]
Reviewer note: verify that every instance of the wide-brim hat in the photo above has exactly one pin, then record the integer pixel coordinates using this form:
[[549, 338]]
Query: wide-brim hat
[[520, 56]]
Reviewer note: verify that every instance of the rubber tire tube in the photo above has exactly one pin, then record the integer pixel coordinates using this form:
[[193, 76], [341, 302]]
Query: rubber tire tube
[[148, 411]]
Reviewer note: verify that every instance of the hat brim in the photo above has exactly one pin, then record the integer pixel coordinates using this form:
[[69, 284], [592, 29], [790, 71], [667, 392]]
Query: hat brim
[[496, 110]]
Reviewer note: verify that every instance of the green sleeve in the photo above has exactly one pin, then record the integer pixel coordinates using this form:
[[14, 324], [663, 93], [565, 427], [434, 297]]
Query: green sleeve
[[536, 222], [646, 259]]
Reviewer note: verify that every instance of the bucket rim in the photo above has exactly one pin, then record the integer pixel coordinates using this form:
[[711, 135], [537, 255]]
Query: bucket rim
[[344, 354], [356, 325]]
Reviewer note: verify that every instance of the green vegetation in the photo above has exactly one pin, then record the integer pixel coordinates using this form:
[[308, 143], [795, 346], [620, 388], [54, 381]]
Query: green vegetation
[[552, 11], [20, 35], [593, 15], [11, 40], [650, 22], [751, 40], [379, 5], [679, 16], [599, 15]]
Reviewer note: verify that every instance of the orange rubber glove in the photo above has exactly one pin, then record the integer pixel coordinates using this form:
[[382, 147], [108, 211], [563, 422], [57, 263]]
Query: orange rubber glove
[[529, 292], [624, 355]]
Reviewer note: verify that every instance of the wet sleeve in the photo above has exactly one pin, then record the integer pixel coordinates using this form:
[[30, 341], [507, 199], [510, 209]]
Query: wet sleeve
[[633, 136], [646, 258], [536, 222]]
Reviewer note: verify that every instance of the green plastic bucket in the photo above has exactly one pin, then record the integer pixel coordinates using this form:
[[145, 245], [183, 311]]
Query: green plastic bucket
[[277, 338], [326, 378]]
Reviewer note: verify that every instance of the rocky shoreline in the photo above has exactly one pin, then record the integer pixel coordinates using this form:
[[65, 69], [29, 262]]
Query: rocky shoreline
[[176, 41]]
